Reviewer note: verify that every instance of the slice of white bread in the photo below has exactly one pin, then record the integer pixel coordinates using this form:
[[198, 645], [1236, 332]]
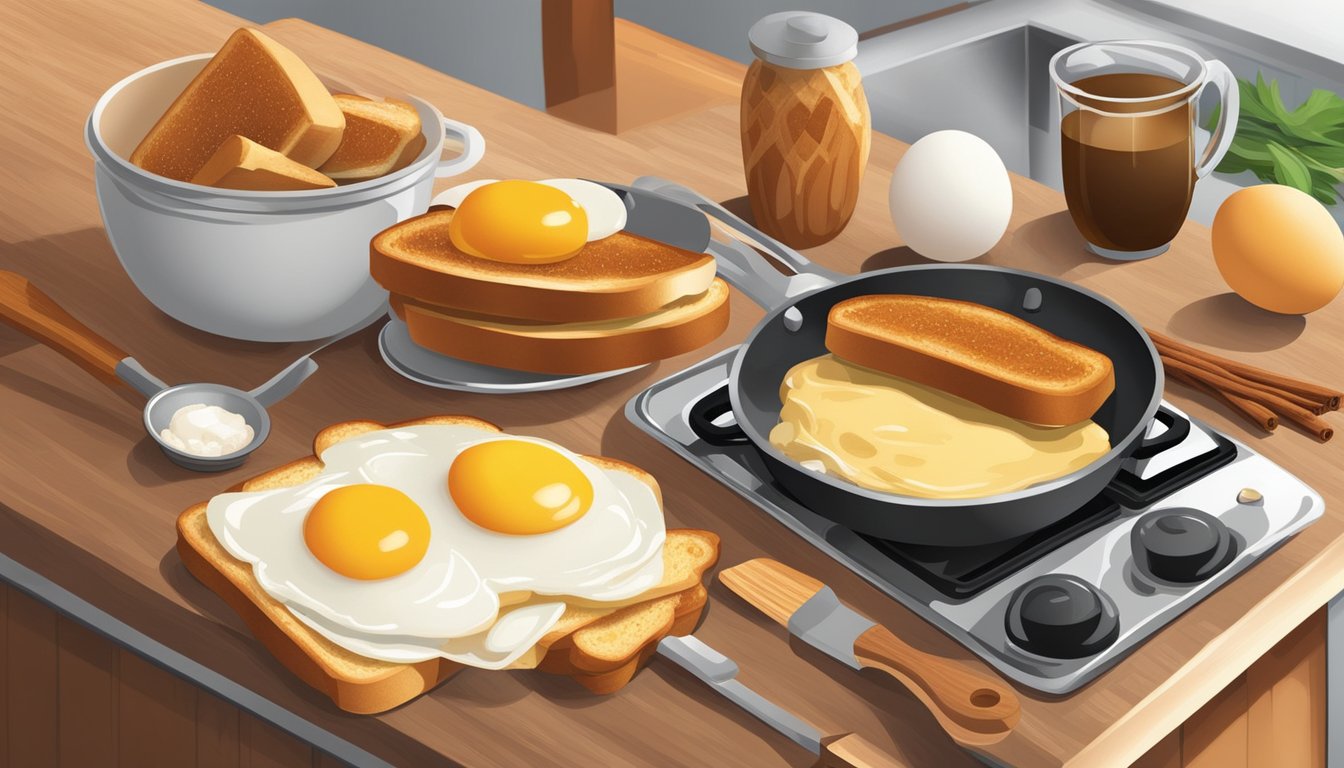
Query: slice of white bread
[[378, 136], [620, 276], [603, 655], [253, 87], [569, 348], [362, 685], [989, 357], [241, 163]]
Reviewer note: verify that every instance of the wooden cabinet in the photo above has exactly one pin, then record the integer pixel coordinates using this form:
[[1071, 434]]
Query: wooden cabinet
[[71, 697], [1271, 715]]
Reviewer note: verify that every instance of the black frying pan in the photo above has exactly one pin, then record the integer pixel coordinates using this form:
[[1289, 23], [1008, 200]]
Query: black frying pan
[[794, 329]]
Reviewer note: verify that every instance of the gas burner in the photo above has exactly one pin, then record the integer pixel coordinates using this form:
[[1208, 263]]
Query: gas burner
[[1057, 608], [961, 572], [1148, 476]]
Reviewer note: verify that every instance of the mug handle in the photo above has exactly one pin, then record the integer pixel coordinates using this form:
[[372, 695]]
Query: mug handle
[[473, 149], [1229, 96]]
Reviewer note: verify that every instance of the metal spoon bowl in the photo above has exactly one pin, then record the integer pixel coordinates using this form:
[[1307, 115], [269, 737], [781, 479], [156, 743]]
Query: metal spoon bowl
[[28, 309], [161, 407]]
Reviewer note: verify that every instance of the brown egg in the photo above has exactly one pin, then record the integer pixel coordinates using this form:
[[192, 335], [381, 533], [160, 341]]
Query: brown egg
[[1279, 249]]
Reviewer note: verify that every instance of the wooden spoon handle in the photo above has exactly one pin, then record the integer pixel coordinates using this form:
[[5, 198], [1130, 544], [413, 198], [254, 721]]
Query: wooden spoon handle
[[850, 750], [28, 309], [973, 708]]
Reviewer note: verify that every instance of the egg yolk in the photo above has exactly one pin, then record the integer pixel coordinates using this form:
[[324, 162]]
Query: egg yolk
[[518, 487], [367, 531], [521, 222]]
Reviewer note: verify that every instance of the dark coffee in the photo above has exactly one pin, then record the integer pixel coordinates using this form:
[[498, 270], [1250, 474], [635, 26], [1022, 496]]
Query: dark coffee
[[1129, 167]]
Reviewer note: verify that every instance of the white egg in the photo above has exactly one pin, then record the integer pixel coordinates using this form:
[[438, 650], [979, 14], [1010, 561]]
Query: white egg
[[453, 196], [950, 196], [612, 552], [606, 211]]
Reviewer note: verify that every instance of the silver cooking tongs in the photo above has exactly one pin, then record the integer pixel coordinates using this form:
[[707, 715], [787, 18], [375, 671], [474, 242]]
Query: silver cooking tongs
[[738, 261]]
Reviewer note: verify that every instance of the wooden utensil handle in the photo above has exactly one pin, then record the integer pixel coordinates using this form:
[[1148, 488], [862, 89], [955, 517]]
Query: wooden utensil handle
[[27, 308], [972, 707], [850, 750]]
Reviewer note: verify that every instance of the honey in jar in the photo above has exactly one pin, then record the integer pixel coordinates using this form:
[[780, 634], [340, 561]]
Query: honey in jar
[[806, 130]]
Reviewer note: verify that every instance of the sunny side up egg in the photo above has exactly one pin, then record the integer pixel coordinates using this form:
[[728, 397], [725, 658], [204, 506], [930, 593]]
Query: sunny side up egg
[[426, 579], [531, 222]]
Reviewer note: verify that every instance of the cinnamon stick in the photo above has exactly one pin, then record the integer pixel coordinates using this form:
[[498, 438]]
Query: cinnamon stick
[[1313, 424], [1308, 403], [1254, 412], [1327, 396]]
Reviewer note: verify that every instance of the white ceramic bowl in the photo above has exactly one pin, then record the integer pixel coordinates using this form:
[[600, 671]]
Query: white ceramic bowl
[[260, 266]]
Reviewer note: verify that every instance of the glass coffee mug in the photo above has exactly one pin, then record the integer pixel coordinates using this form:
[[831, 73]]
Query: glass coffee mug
[[1128, 111]]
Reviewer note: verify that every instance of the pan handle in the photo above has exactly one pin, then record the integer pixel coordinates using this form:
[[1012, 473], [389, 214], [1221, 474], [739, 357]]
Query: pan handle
[[1177, 430], [706, 410], [739, 263]]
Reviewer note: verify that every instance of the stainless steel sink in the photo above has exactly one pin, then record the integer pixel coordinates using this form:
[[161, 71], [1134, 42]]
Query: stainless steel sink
[[986, 70], [996, 87]]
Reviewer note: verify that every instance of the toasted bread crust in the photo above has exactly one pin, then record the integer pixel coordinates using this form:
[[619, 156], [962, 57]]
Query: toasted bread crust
[[299, 118], [241, 163], [362, 685], [607, 280], [377, 134], [525, 347], [975, 352]]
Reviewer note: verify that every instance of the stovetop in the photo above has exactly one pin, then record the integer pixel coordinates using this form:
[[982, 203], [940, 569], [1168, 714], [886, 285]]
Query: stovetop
[[1113, 560]]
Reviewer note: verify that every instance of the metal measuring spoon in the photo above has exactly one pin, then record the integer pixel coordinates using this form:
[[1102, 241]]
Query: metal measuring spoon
[[28, 309]]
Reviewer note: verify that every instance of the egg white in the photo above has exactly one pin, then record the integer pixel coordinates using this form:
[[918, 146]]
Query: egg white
[[512, 635], [611, 553], [605, 210]]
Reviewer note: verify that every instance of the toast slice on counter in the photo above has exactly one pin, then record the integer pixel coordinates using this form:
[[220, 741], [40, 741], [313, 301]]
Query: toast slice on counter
[[620, 276], [253, 87], [981, 354], [602, 660], [378, 135], [241, 163], [569, 348]]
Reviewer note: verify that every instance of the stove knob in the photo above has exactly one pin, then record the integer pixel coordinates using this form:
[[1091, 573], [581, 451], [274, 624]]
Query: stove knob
[[1062, 617], [1182, 545]]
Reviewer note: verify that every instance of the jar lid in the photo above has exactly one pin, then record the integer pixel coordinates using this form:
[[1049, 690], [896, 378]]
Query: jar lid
[[803, 40]]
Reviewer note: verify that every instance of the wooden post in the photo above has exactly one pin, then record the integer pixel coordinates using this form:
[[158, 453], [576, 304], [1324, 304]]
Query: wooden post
[[578, 46]]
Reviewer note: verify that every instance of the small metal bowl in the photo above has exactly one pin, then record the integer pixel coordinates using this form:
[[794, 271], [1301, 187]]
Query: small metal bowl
[[161, 407]]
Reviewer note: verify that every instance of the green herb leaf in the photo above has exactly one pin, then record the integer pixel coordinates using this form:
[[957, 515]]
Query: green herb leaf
[[1270, 99], [1289, 169], [1251, 105], [1319, 169], [1331, 156], [1302, 148], [1323, 189]]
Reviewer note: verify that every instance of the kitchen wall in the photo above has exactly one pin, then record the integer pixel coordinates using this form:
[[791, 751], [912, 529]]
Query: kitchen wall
[[495, 44], [721, 25]]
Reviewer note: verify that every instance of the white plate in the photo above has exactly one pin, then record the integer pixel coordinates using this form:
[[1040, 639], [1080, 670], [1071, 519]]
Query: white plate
[[434, 370]]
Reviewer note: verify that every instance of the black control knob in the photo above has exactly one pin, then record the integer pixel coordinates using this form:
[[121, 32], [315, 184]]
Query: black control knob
[[1182, 545], [1062, 617]]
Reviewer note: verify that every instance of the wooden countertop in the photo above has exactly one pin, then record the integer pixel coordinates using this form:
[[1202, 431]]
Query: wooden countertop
[[89, 503]]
